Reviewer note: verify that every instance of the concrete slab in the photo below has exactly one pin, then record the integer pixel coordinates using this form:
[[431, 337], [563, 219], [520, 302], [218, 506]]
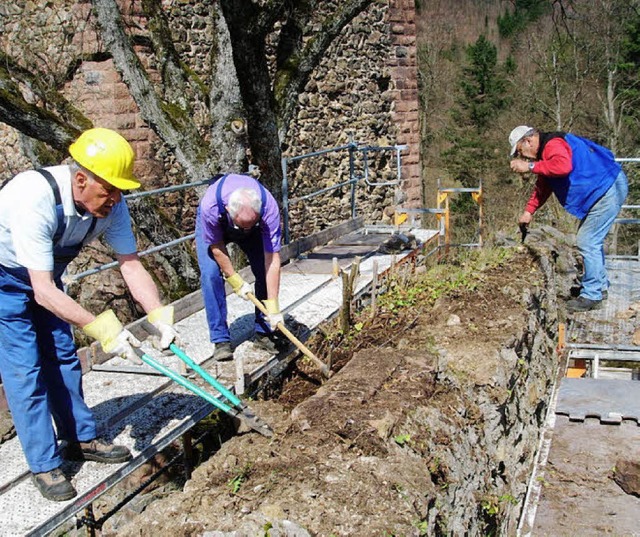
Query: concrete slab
[[609, 400], [579, 497]]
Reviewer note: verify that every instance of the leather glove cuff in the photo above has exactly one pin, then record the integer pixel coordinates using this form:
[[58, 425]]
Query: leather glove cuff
[[163, 314], [272, 305], [235, 281], [105, 328]]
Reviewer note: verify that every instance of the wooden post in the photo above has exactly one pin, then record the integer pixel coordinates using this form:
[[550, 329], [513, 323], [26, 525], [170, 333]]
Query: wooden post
[[348, 285], [187, 446], [240, 384], [374, 289], [335, 267], [345, 309], [447, 228]]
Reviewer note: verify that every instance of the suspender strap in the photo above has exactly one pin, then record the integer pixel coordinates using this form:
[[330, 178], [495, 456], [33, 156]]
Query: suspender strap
[[52, 183], [221, 210], [60, 210], [263, 199]]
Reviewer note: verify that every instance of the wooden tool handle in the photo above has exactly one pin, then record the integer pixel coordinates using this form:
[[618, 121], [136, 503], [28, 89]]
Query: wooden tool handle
[[324, 368]]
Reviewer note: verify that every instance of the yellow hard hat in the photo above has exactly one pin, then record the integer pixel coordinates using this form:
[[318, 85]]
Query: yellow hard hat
[[108, 155]]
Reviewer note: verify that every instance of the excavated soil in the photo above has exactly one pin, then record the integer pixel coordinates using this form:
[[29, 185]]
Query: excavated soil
[[372, 451]]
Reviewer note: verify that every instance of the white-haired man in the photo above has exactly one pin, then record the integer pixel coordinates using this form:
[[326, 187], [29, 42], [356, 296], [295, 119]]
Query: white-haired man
[[238, 209]]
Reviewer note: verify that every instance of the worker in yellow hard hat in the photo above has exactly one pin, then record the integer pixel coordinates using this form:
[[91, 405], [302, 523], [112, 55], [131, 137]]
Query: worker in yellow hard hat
[[46, 216]]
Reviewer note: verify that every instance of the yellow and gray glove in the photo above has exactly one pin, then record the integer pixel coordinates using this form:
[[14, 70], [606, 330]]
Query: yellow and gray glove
[[274, 316], [108, 330], [162, 320], [239, 286]]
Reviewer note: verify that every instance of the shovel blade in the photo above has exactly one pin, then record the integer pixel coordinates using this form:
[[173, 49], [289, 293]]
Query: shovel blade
[[249, 418]]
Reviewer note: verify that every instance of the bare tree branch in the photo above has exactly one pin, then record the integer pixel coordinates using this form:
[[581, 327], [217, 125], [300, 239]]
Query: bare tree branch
[[173, 124], [53, 120]]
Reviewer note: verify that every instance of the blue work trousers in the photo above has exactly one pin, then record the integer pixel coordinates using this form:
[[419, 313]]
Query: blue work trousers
[[592, 232], [212, 284], [41, 374]]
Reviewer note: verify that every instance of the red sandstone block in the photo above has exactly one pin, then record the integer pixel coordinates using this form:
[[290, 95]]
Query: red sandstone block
[[406, 40], [85, 359], [409, 95], [121, 91], [143, 150], [407, 107], [138, 134], [124, 108], [102, 73], [126, 120], [412, 115], [412, 157], [414, 170]]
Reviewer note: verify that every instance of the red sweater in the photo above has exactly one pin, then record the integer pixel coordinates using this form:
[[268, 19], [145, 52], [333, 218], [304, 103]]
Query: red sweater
[[555, 162]]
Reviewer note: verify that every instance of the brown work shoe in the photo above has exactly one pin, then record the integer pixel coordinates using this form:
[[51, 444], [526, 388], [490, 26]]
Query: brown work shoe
[[271, 342], [97, 450], [54, 485], [223, 351]]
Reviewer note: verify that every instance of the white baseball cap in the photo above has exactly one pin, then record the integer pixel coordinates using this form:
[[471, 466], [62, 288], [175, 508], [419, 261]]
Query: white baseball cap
[[518, 134]]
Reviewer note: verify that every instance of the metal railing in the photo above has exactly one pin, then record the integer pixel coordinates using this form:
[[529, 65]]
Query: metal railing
[[69, 278], [352, 147], [625, 221]]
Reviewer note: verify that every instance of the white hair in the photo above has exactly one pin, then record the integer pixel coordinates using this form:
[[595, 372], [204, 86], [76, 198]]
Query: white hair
[[244, 197]]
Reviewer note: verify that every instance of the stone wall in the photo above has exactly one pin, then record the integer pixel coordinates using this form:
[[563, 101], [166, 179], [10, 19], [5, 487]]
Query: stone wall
[[365, 90]]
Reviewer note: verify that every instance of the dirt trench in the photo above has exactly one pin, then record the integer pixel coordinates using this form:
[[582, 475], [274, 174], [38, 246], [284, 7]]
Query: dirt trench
[[429, 427]]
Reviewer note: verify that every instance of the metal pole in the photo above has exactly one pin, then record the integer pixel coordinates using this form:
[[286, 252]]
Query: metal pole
[[352, 149], [285, 201]]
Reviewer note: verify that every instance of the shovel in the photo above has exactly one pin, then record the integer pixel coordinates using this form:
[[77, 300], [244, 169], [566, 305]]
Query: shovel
[[324, 368], [524, 230], [234, 407]]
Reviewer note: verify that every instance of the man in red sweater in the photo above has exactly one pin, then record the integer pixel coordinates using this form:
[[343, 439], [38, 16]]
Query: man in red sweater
[[588, 183]]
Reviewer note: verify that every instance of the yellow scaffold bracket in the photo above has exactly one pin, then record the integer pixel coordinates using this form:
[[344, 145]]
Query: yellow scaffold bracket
[[399, 218], [442, 196], [477, 197]]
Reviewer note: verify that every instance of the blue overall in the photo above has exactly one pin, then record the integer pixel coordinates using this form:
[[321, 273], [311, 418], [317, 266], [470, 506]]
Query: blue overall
[[40, 369], [212, 281]]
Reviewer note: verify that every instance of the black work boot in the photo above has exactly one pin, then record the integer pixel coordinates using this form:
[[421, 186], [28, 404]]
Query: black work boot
[[223, 351], [54, 485], [97, 450], [583, 304], [270, 342]]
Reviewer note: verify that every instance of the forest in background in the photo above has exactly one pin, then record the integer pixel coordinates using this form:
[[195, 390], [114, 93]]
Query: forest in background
[[488, 66]]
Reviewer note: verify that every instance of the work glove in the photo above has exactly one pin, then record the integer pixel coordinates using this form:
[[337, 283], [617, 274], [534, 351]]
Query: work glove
[[114, 339], [239, 286], [273, 310], [162, 320]]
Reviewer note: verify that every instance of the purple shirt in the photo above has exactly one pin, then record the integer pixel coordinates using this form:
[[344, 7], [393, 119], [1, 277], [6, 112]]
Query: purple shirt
[[269, 223]]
